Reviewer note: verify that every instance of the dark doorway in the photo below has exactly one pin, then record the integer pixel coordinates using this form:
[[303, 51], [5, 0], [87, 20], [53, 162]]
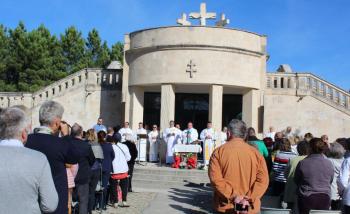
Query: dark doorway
[[191, 107], [151, 112], [231, 108]]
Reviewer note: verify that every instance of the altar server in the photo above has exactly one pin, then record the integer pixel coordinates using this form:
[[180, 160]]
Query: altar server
[[141, 142], [153, 138], [171, 136], [208, 136], [126, 132], [189, 135], [223, 137]]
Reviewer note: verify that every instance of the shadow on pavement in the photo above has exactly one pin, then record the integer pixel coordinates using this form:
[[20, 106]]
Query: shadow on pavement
[[197, 200]]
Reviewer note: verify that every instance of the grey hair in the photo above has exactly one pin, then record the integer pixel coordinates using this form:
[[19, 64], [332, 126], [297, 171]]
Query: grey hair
[[237, 128], [336, 151], [12, 122], [76, 130], [49, 111]]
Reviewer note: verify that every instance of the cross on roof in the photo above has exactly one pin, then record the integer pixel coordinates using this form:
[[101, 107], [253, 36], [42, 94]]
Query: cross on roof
[[203, 15], [191, 68], [183, 21], [223, 21]]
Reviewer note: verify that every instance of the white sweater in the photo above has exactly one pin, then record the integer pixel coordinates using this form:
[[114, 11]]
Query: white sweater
[[343, 181], [122, 156]]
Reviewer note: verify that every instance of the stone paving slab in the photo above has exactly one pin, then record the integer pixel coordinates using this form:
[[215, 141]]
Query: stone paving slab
[[138, 201]]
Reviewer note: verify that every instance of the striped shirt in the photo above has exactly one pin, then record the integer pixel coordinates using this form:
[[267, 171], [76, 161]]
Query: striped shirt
[[279, 165]]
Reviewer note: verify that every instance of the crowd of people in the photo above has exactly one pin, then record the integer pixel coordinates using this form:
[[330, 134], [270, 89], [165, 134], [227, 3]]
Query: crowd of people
[[308, 173], [53, 167], [60, 168]]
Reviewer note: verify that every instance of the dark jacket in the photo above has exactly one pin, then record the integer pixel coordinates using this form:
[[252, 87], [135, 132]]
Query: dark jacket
[[108, 155], [86, 160], [314, 175], [133, 151], [58, 151]]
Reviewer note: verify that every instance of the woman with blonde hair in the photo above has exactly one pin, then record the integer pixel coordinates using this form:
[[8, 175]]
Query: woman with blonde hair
[[96, 167]]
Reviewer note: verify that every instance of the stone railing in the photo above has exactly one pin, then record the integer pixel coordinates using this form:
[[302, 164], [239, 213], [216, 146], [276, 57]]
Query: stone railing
[[91, 79], [302, 84]]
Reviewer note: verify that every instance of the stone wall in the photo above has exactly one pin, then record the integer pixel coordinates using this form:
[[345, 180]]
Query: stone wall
[[307, 103], [85, 95]]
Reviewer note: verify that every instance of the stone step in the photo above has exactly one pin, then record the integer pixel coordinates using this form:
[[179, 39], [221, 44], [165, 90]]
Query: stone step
[[171, 177], [161, 184], [153, 177], [170, 171]]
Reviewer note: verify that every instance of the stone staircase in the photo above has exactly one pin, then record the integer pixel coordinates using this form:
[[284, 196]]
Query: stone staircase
[[307, 84], [154, 177]]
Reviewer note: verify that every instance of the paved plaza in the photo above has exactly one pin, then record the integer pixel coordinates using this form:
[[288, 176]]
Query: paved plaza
[[153, 195]]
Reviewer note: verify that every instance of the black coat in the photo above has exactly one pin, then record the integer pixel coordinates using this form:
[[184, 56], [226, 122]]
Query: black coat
[[133, 151], [58, 151], [86, 160], [108, 157]]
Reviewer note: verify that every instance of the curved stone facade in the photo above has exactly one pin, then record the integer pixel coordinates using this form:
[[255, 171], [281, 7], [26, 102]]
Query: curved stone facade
[[162, 55], [193, 59]]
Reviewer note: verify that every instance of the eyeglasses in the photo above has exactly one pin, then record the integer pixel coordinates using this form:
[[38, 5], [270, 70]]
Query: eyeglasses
[[154, 127]]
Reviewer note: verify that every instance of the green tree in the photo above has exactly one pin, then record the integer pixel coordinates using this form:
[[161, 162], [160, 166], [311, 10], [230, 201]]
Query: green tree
[[117, 52], [30, 60], [17, 58], [98, 53], [4, 43], [73, 49], [42, 66]]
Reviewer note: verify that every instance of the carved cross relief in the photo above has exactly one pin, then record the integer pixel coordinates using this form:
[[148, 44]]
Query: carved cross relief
[[191, 68]]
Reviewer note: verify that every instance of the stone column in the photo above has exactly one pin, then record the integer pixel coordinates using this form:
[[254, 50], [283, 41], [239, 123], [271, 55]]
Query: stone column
[[215, 106], [167, 111], [250, 108], [125, 82], [136, 106]]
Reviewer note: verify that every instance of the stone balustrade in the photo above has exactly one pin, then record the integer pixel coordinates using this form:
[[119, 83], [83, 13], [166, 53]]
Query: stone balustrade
[[307, 84], [90, 78]]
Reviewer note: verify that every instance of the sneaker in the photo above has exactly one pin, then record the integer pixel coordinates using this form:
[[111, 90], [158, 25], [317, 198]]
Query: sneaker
[[115, 205], [124, 204]]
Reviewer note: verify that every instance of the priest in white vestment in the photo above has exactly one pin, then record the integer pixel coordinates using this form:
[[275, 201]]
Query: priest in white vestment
[[171, 136], [189, 135], [153, 138], [126, 133], [271, 133], [141, 142], [223, 137], [208, 136]]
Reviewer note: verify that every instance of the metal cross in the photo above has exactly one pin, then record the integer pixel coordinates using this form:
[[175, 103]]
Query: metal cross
[[223, 21], [183, 21], [191, 68], [203, 15]]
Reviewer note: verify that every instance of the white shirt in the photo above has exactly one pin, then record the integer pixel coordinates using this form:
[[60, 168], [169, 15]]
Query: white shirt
[[126, 132], [208, 134], [193, 135], [11, 142], [153, 136], [141, 131], [343, 181], [122, 156], [271, 135]]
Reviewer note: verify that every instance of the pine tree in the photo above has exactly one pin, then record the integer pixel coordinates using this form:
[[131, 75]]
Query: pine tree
[[4, 42], [98, 53], [117, 52], [73, 49]]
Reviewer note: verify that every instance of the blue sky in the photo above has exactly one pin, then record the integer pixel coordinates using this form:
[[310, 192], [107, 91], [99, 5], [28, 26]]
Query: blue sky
[[310, 35]]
